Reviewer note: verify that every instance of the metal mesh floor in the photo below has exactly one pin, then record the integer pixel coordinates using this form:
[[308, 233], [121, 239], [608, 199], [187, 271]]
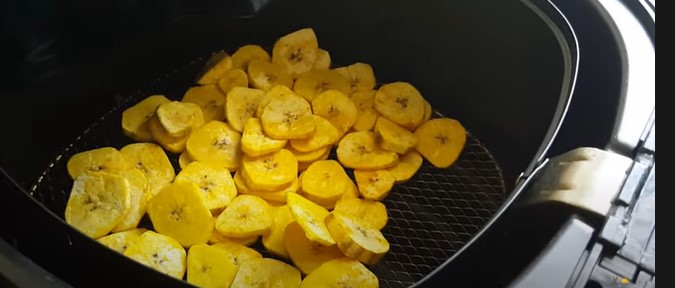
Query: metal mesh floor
[[430, 217]]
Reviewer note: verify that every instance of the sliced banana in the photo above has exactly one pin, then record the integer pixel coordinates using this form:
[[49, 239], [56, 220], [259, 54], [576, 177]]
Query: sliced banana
[[324, 181], [343, 272], [359, 150], [218, 64], [278, 196], [394, 138], [216, 237], [139, 195], [217, 144], [374, 184], [276, 92], [160, 136], [245, 216], [135, 118], [441, 141], [246, 53], [98, 202], [302, 166], [210, 99], [337, 108], [360, 75], [179, 118], [322, 60], [232, 78], [356, 238], [296, 52], [274, 239], [310, 216], [372, 212], [325, 134], [312, 83], [427, 111], [208, 266], [311, 156], [265, 75], [215, 183], [364, 99], [266, 272], [106, 159], [237, 253], [179, 211], [288, 117], [152, 161], [406, 167], [254, 142], [120, 241], [241, 105], [184, 160], [305, 254], [401, 103], [159, 252], [270, 172]]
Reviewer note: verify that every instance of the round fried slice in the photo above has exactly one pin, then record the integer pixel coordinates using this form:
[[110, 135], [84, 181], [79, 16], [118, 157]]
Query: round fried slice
[[210, 99], [312, 83], [238, 253], [265, 75], [394, 138], [288, 117], [246, 53], [135, 118], [159, 252], [406, 167], [324, 181], [184, 160], [364, 100], [97, 203], [374, 185], [343, 272], [106, 159], [278, 196], [270, 172], [337, 108], [356, 238], [359, 150], [216, 237], [179, 211], [245, 216], [296, 52], [215, 183], [322, 60], [311, 156], [310, 216], [360, 75], [401, 103], [241, 105], [218, 64], [441, 141], [217, 144], [427, 111], [305, 254], [159, 135], [138, 199], [266, 272], [120, 241], [208, 266], [325, 134], [233, 78], [372, 212], [152, 161], [302, 166], [274, 93], [274, 239], [254, 142], [179, 118]]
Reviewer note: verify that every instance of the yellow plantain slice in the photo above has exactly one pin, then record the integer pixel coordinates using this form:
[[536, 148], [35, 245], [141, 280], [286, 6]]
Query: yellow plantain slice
[[184, 160], [215, 183], [407, 166], [237, 253], [375, 184], [179, 118], [216, 237], [208, 266], [312, 83], [152, 161], [232, 78], [394, 138], [217, 144], [274, 239], [343, 272], [241, 105], [296, 52], [179, 211], [305, 254], [276, 92], [288, 117], [120, 241], [135, 118], [372, 212], [270, 172], [310, 216], [106, 159], [427, 111], [325, 134], [322, 60], [246, 53], [311, 156], [138, 199], [97, 203], [245, 216], [356, 238], [159, 252], [265, 75], [441, 141], [218, 64], [270, 196], [360, 75], [401, 103], [364, 100], [159, 135], [210, 99], [337, 108], [266, 272], [359, 150], [324, 181], [254, 142]]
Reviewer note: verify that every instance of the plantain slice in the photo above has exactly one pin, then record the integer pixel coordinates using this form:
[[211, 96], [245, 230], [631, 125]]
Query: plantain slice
[[343, 272], [406, 167], [364, 99], [179, 118], [325, 134], [265, 75], [276, 92], [120, 241], [217, 144], [159, 252], [266, 272], [210, 99], [359, 150], [138, 199], [360, 75], [296, 52], [322, 60], [305, 254], [441, 140], [324, 181], [302, 166], [311, 156], [241, 105], [208, 266], [179, 211], [288, 117], [218, 64], [401, 103], [427, 111], [375, 184], [356, 238], [274, 239], [314, 82], [278, 196], [135, 118], [246, 53], [372, 212], [98, 202], [106, 159], [215, 183], [216, 237], [232, 78], [184, 160], [310, 216], [159, 135], [237, 253], [337, 108], [245, 216], [254, 142], [152, 161], [270, 172], [394, 138]]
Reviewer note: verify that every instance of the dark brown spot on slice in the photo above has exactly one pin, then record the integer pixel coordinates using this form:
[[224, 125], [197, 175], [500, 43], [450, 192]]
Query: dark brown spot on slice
[[322, 86], [221, 143], [176, 214], [296, 56], [442, 139], [402, 102]]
